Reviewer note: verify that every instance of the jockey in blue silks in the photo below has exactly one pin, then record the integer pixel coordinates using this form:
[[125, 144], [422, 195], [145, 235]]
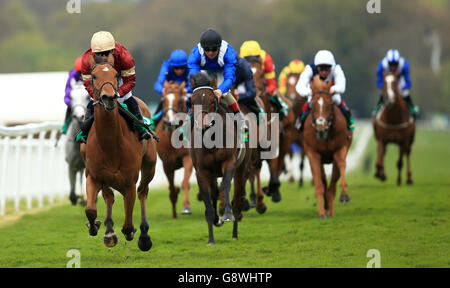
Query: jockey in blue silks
[[393, 62], [217, 57], [173, 69]]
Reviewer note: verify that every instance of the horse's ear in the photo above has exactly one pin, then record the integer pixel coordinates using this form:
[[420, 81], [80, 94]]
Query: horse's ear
[[165, 84], [91, 61], [183, 85], [214, 82], [191, 78]]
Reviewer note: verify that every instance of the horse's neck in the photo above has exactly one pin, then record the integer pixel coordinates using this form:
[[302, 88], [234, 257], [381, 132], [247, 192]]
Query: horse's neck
[[108, 129], [397, 112]]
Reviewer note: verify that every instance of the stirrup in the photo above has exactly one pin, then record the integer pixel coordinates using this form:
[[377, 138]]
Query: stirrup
[[81, 138]]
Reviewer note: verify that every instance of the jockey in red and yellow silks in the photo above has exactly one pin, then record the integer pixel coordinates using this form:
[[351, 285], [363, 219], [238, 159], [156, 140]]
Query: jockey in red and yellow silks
[[251, 50], [295, 67]]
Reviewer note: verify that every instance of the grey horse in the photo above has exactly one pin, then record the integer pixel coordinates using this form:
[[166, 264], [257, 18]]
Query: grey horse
[[79, 100]]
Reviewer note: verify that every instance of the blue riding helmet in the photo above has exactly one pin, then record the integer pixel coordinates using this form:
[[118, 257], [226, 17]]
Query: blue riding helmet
[[178, 58], [393, 56]]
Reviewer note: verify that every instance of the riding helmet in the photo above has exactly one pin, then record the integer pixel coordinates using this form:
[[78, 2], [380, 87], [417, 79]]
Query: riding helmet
[[178, 58], [210, 39]]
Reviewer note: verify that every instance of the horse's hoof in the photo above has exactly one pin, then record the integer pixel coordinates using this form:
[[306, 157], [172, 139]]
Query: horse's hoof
[[199, 197], [73, 199], [291, 179], [276, 196], [211, 243], [110, 239], [228, 217], [409, 182], [261, 209], [186, 211], [267, 191], [344, 199], [129, 235], [323, 217], [245, 205], [94, 230], [145, 243], [252, 203]]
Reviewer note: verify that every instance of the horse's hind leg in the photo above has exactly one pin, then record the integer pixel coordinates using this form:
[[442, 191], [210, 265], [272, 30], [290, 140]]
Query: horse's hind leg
[[330, 194], [302, 159], [92, 190], [379, 166], [110, 238], [173, 194], [260, 205], [400, 165], [147, 173], [408, 164], [72, 177]]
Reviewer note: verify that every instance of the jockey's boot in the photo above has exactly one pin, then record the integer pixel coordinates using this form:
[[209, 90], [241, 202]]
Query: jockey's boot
[[348, 116], [133, 106], [280, 105], [87, 123], [379, 104], [67, 120], [414, 109], [157, 116], [253, 106], [299, 123]]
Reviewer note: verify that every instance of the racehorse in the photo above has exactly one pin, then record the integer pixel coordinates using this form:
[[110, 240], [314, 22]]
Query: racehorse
[[172, 158], [213, 162], [276, 165], [79, 100], [114, 156], [297, 138], [326, 140], [394, 124]]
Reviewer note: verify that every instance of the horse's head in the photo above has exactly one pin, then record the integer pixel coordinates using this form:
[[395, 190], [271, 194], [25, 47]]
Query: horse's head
[[321, 107], [391, 92], [105, 82], [258, 73], [203, 95], [172, 102], [79, 100], [292, 80]]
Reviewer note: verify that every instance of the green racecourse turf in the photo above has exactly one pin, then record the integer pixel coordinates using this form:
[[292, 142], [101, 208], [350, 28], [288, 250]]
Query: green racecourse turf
[[409, 225]]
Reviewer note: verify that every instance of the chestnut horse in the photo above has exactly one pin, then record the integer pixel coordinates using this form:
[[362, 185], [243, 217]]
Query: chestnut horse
[[297, 138], [326, 141], [213, 162], [171, 157], [114, 156], [394, 124], [276, 165]]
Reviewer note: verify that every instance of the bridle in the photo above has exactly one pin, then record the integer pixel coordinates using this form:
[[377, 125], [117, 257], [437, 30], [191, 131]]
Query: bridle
[[97, 91], [202, 111], [167, 124], [330, 107]]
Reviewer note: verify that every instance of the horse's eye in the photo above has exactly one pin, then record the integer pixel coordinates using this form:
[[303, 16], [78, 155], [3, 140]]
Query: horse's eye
[[94, 77]]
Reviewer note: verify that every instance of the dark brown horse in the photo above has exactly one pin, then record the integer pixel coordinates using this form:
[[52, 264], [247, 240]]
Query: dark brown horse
[[394, 124], [171, 157], [114, 156], [213, 162], [276, 165], [326, 141], [296, 137]]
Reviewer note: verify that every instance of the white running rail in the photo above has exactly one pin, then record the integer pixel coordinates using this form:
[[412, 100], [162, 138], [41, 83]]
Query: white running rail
[[32, 168]]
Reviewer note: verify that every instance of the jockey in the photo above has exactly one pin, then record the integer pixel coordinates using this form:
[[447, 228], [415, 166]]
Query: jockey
[[393, 62], [218, 58], [326, 67], [245, 87], [252, 52], [173, 69], [295, 67], [103, 44], [74, 76]]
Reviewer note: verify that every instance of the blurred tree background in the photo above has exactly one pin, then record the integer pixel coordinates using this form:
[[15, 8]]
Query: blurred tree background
[[40, 35]]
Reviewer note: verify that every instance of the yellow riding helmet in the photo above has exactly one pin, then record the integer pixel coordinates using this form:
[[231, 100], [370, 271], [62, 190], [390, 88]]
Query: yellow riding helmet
[[250, 48], [296, 66], [102, 41]]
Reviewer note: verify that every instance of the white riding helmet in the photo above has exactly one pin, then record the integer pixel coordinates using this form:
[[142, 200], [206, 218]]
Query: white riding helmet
[[102, 41], [324, 57], [393, 56]]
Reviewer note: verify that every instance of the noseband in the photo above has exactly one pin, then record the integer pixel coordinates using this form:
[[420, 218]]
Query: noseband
[[216, 102]]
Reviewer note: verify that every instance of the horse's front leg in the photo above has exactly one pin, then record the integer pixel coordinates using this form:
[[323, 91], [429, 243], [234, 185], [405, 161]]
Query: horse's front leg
[[186, 185], [340, 159], [228, 173], [92, 190], [129, 198], [316, 171], [379, 166], [110, 238], [204, 180], [73, 177]]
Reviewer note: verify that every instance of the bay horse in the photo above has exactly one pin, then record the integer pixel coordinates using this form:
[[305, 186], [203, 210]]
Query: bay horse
[[79, 100], [276, 165], [114, 156], [296, 137], [394, 124], [171, 157], [213, 162], [326, 141]]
